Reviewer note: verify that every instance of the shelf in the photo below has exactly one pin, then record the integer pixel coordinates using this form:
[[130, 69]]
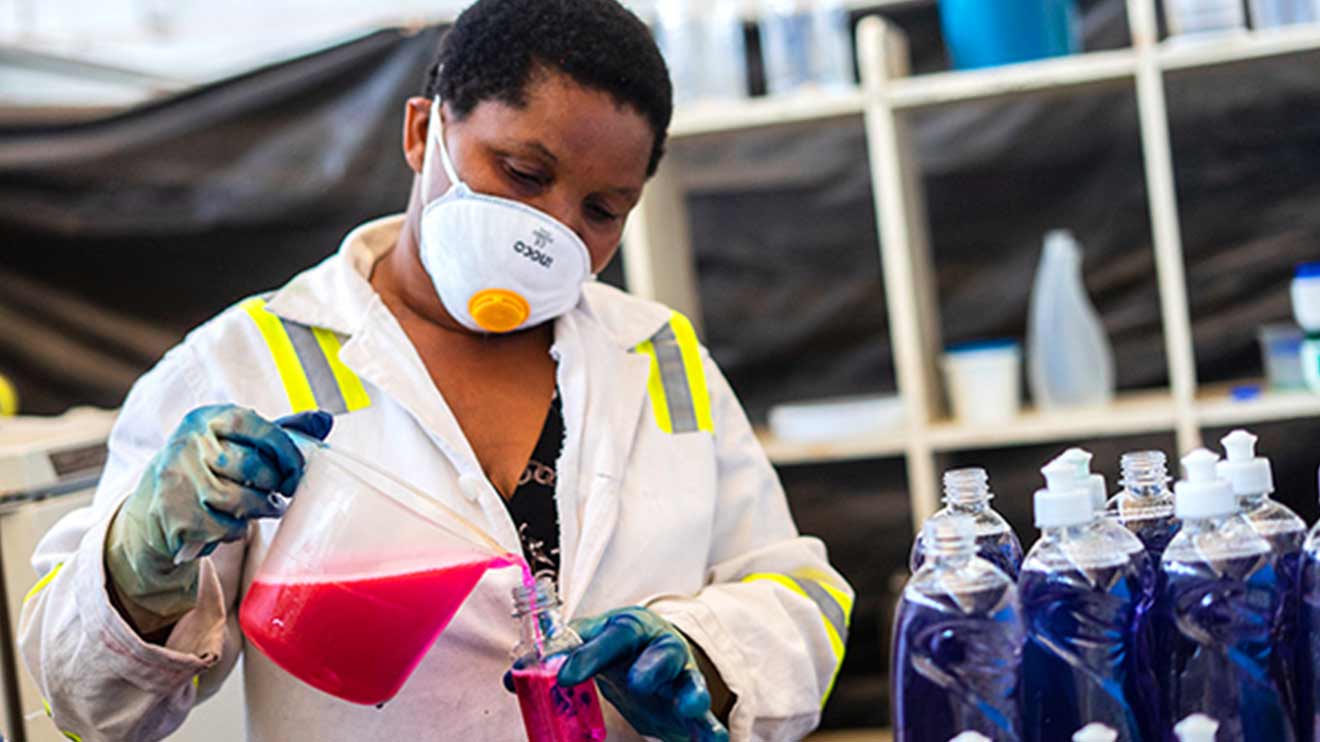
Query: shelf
[[1238, 46], [876, 446], [717, 116], [1056, 74], [1215, 408], [1131, 413]]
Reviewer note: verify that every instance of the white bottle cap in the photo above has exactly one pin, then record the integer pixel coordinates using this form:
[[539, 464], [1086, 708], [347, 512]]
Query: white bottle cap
[[1202, 494], [1079, 459], [1066, 499], [1095, 732], [1196, 728], [971, 737], [1246, 472]]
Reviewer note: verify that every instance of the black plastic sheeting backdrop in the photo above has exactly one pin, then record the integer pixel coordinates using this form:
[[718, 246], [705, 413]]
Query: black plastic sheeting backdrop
[[120, 235]]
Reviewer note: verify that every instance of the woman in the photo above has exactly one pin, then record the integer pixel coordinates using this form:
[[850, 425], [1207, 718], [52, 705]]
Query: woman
[[463, 345]]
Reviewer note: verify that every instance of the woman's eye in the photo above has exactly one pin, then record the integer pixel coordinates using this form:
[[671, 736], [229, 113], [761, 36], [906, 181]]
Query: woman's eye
[[524, 176], [601, 213]]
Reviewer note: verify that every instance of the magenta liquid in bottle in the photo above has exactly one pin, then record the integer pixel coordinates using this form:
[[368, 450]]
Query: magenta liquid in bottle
[[551, 713]]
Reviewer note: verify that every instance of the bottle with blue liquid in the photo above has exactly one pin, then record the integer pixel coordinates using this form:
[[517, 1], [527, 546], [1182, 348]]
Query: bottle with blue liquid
[[1081, 594], [957, 643], [1219, 613], [1252, 481], [967, 493], [1072, 470], [1145, 504], [1308, 650]]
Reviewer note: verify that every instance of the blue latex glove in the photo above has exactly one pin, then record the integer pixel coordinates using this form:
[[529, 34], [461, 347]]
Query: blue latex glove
[[216, 472], [645, 667]]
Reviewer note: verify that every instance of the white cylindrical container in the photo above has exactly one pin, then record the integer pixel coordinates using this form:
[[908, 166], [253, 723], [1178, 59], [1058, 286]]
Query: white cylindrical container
[[1204, 16], [984, 381], [1306, 310]]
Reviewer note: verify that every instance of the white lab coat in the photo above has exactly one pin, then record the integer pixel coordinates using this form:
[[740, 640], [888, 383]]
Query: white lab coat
[[670, 521]]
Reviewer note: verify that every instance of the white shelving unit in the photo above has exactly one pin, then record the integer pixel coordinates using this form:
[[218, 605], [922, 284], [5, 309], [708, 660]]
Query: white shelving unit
[[659, 259]]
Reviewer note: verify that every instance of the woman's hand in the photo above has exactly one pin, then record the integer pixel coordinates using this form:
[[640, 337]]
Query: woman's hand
[[645, 667], [216, 472]]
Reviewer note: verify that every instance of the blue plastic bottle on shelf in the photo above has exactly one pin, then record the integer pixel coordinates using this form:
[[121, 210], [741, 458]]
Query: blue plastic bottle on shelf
[[1081, 595], [957, 643], [1253, 482], [967, 492], [981, 33], [1219, 614]]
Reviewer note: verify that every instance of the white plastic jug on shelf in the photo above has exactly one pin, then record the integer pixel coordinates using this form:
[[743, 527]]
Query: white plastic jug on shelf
[[1069, 360]]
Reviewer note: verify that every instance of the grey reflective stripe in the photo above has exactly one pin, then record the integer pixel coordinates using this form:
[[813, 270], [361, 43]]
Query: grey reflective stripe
[[827, 605], [319, 376], [673, 376]]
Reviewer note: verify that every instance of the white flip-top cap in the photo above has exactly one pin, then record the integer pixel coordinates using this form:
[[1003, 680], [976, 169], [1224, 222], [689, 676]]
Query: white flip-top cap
[[1202, 494], [1080, 460], [1095, 732], [1196, 728], [1248, 473], [1066, 499], [971, 737]]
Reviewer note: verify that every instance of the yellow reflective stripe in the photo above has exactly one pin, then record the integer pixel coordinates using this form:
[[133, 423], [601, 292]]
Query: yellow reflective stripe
[[71, 736], [696, 372], [350, 386], [286, 358], [655, 387], [197, 681], [42, 583], [837, 644], [46, 705]]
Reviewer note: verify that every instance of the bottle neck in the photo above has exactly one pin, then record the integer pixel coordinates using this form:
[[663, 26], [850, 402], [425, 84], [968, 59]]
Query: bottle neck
[[1252, 501], [968, 507], [543, 630], [1064, 533]]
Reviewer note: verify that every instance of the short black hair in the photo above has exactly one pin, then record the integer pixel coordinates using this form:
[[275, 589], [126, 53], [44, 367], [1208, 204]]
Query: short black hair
[[495, 47]]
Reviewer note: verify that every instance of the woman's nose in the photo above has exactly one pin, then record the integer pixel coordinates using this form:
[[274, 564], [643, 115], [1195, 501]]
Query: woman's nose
[[562, 205]]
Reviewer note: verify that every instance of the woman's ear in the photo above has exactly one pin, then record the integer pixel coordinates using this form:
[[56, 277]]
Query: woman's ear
[[416, 124]]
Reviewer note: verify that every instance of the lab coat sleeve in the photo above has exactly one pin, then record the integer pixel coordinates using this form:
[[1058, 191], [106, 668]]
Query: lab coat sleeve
[[100, 680], [773, 614]]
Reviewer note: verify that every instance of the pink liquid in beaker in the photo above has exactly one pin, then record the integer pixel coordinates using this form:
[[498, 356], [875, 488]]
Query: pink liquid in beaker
[[358, 638], [555, 714]]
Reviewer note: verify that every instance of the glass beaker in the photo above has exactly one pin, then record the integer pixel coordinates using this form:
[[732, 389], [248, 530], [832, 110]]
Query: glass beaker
[[361, 578]]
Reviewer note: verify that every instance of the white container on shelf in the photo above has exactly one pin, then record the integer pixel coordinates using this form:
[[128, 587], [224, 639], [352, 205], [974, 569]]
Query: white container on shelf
[[1306, 310], [1190, 17], [820, 421], [1280, 349], [984, 381], [1276, 13], [1070, 361]]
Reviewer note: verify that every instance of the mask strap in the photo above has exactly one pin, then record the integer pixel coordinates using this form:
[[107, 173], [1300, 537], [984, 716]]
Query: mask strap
[[437, 128]]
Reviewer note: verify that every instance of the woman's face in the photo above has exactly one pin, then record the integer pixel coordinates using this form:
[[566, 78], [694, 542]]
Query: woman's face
[[572, 152]]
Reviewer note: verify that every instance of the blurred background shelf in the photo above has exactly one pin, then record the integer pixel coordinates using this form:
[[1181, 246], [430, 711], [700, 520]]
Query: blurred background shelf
[[787, 453], [1216, 407], [713, 117], [1061, 73], [1131, 413], [1241, 46]]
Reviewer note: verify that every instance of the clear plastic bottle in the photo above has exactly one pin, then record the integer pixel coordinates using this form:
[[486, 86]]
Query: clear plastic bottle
[[1219, 613], [1145, 504], [1276, 13], [1081, 599], [551, 713], [967, 492], [704, 47], [1072, 470], [1069, 360], [1192, 17], [1252, 481], [805, 43], [1308, 650], [957, 643]]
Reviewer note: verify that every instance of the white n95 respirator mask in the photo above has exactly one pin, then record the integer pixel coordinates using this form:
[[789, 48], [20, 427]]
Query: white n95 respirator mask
[[498, 265]]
